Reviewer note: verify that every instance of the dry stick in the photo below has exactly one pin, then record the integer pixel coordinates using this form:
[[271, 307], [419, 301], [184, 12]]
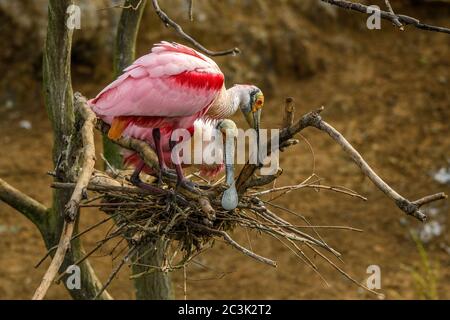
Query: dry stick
[[289, 111], [49, 251], [288, 120], [310, 264], [169, 22], [430, 198], [249, 169], [93, 186], [71, 209], [245, 251], [390, 16], [313, 119], [88, 254], [295, 225], [236, 245], [410, 208], [191, 10], [343, 272], [308, 238], [116, 270], [395, 21], [130, 6], [314, 186], [321, 243]]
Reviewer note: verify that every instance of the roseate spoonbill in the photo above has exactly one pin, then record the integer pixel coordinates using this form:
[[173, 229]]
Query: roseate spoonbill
[[170, 88], [202, 128]]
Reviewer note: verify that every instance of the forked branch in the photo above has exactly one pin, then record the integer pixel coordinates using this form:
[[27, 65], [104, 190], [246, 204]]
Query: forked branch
[[397, 19], [71, 210], [313, 119], [179, 30]]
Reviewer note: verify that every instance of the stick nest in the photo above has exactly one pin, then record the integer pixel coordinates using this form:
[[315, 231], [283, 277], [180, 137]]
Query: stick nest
[[185, 230]]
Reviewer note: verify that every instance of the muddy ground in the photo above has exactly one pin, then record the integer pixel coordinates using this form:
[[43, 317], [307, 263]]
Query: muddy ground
[[387, 91]]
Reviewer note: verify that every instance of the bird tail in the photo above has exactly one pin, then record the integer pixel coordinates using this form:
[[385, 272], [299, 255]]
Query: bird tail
[[118, 126]]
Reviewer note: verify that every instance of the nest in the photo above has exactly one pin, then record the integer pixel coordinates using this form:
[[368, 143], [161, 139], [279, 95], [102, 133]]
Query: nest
[[184, 229]]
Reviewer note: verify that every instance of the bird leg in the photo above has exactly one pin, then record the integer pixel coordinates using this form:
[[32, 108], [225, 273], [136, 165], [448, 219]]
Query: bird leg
[[135, 180], [181, 179], [156, 133]]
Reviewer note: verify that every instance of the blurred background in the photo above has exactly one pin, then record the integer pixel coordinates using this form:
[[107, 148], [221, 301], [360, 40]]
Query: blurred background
[[387, 91]]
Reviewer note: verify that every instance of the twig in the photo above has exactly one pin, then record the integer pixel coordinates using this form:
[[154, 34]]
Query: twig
[[245, 251], [342, 271], [396, 21], [102, 188], [313, 119], [191, 10], [169, 22], [314, 186], [116, 270], [288, 133], [429, 199], [288, 114], [129, 6], [400, 18], [236, 245], [405, 205], [58, 258], [87, 167], [49, 251]]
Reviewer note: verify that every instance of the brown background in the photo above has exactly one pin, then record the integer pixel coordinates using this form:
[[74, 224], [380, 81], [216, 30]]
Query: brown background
[[387, 91]]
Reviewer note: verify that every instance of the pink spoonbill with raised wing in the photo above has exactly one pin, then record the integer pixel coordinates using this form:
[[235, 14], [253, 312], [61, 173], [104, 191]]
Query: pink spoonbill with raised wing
[[170, 88]]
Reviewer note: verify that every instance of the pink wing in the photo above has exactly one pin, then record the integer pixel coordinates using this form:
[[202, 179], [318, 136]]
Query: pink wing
[[171, 81]]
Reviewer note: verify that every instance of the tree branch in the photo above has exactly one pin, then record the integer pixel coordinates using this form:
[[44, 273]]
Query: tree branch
[[410, 208], [30, 208], [313, 119], [169, 22], [71, 209], [88, 152], [390, 16]]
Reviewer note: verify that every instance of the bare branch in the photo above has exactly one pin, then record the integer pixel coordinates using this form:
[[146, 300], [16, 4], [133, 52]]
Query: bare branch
[[191, 10], [313, 119], [87, 167], [237, 246], [429, 199], [289, 110], [58, 259], [125, 6], [71, 209], [287, 189], [405, 205], [169, 22], [396, 21], [390, 16], [30, 208]]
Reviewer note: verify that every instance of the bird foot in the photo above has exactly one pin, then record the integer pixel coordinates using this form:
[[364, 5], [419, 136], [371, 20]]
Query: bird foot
[[135, 180], [188, 185], [166, 172]]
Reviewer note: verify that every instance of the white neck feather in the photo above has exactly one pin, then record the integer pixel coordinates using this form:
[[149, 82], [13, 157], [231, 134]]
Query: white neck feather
[[228, 102]]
